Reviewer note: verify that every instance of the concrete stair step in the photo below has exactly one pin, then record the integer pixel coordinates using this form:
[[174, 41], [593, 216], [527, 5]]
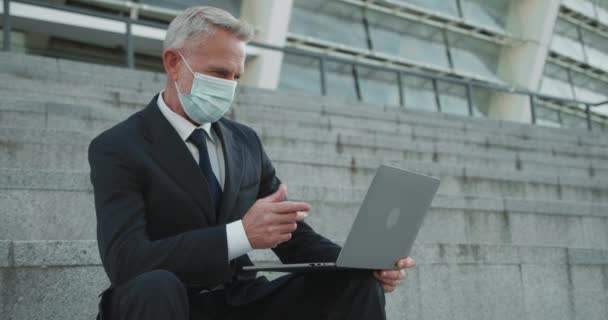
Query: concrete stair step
[[482, 142], [450, 280], [399, 123], [421, 129], [66, 149], [343, 141], [332, 107], [54, 209], [282, 102], [319, 170], [51, 115], [73, 72], [76, 73], [97, 118]]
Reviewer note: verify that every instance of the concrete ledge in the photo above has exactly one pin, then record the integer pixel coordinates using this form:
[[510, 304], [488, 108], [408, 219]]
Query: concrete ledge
[[66, 138], [455, 180], [418, 130], [349, 118], [336, 106], [14, 179], [55, 253], [72, 72], [85, 253], [369, 113], [67, 149], [45, 214]]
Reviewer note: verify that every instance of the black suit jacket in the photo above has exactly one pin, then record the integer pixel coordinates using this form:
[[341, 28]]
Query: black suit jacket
[[154, 208]]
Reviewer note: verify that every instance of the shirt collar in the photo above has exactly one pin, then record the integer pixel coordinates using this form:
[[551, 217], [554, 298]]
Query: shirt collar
[[183, 127]]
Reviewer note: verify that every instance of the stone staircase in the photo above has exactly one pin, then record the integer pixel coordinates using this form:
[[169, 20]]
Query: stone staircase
[[519, 228]]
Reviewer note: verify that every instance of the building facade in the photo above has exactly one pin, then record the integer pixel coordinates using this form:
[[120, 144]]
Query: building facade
[[469, 57]]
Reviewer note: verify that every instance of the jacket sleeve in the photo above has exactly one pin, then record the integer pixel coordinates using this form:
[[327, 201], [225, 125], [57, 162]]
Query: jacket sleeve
[[305, 245], [201, 255]]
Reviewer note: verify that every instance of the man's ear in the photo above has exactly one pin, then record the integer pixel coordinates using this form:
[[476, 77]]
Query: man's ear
[[171, 62]]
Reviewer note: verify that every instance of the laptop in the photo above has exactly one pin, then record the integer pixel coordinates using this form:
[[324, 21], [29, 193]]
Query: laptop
[[385, 227]]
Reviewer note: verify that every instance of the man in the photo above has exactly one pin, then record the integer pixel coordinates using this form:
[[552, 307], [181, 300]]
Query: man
[[182, 195]]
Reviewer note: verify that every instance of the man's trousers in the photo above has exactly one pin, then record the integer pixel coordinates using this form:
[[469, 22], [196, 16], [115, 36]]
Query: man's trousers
[[332, 295]]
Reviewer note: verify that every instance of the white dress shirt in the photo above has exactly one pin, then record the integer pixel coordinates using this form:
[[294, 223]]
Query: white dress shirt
[[238, 244]]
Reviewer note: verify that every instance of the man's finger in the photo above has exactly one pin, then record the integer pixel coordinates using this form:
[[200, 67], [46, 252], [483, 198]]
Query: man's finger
[[289, 206], [291, 217], [391, 274], [377, 275], [278, 195], [282, 238], [388, 288], [286, 228], [406, 262], [393, 283]]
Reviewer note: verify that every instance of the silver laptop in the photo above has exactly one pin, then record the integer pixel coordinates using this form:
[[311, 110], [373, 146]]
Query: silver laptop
[[385, 227]]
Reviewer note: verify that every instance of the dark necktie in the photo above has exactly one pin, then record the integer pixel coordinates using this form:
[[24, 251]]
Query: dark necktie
[[198, 138]]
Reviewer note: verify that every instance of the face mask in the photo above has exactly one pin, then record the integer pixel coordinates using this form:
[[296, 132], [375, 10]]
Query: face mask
[[209, 98]]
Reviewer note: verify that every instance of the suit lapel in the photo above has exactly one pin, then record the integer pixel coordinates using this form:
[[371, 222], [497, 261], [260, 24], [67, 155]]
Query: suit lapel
[[168, 149], [233, 159]]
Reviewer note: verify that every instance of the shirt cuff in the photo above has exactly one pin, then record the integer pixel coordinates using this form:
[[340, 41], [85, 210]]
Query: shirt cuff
[[238, 244]]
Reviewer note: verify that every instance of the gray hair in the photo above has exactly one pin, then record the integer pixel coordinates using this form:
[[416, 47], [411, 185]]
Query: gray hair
[[203, 21]]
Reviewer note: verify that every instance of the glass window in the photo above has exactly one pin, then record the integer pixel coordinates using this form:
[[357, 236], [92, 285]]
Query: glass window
[[340, 80], [299, 73], [453, 98], [487, 13], [481, 100], [556, 87], [329, 20], [599, 123], [555, 82], [587, 94], [546, 116], [474, 56], [565, 40], [448, 7], [596, 47], [589, 89], [408, 39], [378, 87], [602, 109], [232, 6], [582, 6], [418, 93], [601, 7], [18, 42], [570, 120]]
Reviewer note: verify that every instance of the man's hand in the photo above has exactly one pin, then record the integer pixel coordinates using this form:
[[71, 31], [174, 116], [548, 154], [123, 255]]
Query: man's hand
[[270, 221], [390, 279]]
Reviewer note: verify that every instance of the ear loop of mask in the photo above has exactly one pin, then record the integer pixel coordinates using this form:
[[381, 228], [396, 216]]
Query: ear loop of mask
[[186, 62], [188, 66]]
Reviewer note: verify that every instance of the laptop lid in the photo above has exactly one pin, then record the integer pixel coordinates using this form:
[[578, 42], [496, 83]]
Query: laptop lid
[[389, 219]]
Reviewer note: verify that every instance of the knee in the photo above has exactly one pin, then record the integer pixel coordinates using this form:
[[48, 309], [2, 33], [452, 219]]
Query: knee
[[365, 283], [158, 284]]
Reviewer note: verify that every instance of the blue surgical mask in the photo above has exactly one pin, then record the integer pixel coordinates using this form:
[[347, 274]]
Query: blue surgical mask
[[209, 98]]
